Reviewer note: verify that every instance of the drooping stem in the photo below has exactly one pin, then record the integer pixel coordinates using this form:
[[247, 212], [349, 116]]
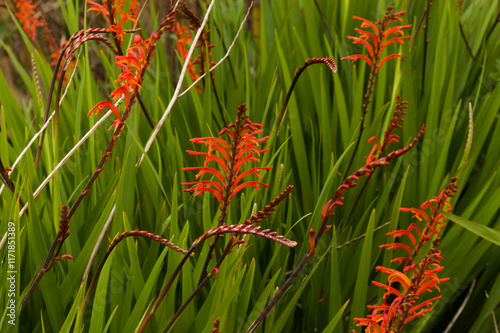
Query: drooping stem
[[47, 106], [70, 43], [300, 70], [248, 229], [113, 244]]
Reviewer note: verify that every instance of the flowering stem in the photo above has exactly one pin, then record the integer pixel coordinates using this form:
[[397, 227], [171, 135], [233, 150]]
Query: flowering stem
[[280, 292], [63, 52], [223, 214], [139, 98], [199, 287], [42, 271], [364, 111], [103, 160], [47, 106], [117, 132], [165, 290]]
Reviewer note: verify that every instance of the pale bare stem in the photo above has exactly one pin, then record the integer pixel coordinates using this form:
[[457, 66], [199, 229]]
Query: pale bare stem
[[98, 243], [178, 87], [3, 241], [462, 306], [43, 127], [114, 243]]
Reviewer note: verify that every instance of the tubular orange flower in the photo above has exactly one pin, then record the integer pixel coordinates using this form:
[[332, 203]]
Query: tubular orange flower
[[134, 65], [379, 38], [416, 278], [27, 14], [183, 41], [116, 15], [232, 155], [183, 38]]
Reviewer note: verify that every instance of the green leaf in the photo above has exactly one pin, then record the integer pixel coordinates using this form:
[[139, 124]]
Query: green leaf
[[362, 281], [491, 235], [335, 319]]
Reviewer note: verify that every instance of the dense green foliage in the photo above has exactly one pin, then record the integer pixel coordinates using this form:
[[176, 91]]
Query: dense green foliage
[[441, 76]]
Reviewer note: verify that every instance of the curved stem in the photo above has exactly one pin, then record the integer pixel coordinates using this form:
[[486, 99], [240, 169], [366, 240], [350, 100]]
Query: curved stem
[[113, 244], [47, 106]]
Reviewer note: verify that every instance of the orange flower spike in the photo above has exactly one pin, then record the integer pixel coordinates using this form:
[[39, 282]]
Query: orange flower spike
[[229, 156], [26, 12], [115, 15], [416, 278], [381, 33], [98, 8]]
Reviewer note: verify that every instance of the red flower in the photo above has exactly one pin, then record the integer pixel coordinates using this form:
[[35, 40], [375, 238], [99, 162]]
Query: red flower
[[230, 157], [380, 39]]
